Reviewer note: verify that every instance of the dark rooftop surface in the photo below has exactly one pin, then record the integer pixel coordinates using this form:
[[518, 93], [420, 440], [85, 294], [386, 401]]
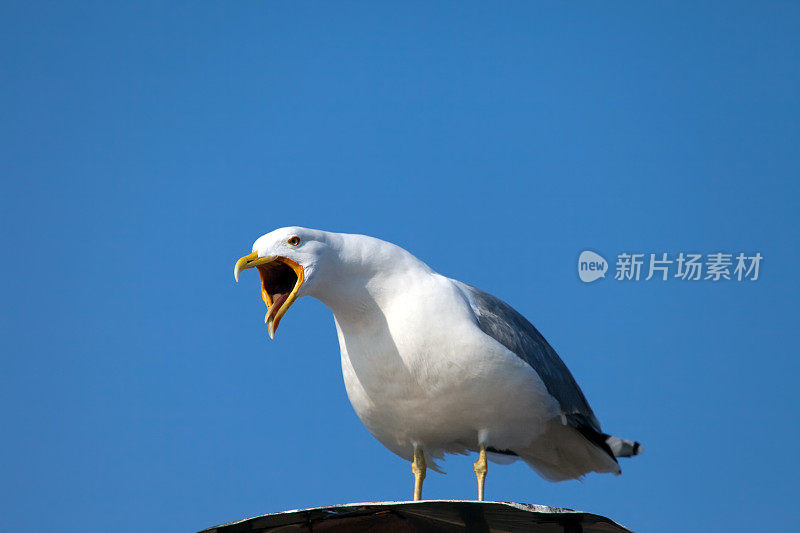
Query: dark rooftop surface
[[434, 515]]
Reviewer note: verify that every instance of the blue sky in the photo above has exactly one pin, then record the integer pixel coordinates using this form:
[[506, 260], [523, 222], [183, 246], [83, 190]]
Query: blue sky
[[145, 147]]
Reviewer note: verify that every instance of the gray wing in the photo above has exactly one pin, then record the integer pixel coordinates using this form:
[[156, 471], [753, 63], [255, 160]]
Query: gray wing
[[501, 322]]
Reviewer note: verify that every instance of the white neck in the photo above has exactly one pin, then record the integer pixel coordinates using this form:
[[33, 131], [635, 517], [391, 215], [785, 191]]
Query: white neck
[[354, 286]]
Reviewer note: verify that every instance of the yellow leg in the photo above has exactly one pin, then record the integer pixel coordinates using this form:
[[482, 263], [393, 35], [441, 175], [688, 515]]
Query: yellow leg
[[480, 471], [418, 467]]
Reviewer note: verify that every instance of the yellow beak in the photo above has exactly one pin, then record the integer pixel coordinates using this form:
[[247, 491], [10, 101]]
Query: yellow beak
[[283, 301], [250, 261]]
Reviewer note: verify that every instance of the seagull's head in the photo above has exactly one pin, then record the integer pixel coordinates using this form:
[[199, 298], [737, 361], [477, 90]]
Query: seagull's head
[[288, 260]]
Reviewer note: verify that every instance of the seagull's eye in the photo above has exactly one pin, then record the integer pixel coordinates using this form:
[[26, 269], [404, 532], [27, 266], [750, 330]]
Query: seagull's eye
[[294, 241]]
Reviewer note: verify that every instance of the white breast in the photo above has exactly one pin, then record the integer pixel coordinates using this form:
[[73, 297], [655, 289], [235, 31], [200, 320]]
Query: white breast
[[418, 370]]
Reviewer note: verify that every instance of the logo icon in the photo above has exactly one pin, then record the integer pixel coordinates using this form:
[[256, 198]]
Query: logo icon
[[591, 266]]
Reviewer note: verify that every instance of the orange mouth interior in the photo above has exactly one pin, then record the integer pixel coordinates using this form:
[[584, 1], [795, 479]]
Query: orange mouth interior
[[280, 280]]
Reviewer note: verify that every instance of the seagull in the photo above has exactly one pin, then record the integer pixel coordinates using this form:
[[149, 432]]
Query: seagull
[[433, 366]]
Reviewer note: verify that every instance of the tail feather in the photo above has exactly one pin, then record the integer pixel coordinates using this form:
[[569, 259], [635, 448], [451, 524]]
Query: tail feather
[[623, 447], [571, 447], [565, 452]]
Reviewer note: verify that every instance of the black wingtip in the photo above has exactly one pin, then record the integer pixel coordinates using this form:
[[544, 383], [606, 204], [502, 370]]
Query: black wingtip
[[584, 427]]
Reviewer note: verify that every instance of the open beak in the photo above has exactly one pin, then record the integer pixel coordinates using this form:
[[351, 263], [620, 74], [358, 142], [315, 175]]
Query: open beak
[[281, 278]]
